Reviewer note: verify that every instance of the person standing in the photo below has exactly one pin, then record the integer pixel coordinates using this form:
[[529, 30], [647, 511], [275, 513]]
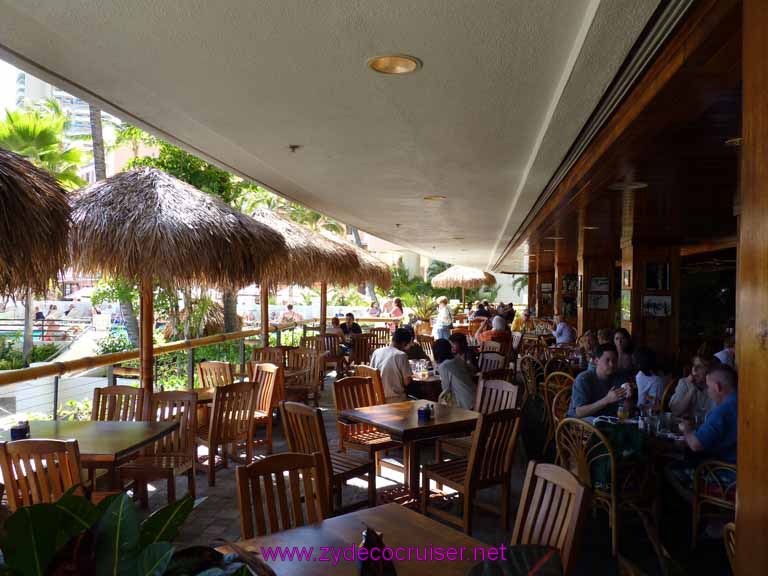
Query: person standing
[[392, 363], [290, 315], [397, 312], [444, 320]]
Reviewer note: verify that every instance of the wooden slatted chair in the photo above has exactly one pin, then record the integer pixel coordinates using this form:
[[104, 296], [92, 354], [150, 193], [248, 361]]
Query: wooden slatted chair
[[490, 361], [551, 510], [360, 349], [174, 454], [305, 387], [211, 374], [301, 497], [462, 330], [489, 464], [331, 345], [269, 392], [581, 448], [231, 423], [359, 392], [117, 404], [495, 391], [425, 341], [308, 342], [269, 355], [305, 433], [38, 471], [381, 337], [375, 376]]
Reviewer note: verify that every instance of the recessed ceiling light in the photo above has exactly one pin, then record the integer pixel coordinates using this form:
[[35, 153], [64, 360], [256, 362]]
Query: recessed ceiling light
[[394, 64], [547, 250], [733, 141], [590, 227], [628, 186], [434, 197], [554, 238]]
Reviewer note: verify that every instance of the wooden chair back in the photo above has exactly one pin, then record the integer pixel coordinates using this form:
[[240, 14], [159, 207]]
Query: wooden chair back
[[560, 404], [269, 354], [181, 406], [381, 337], [553, 383], [211, 374], [666, 396], [495, 391], [305, 433], [360, 349], [493, 446], [280, 492], [489, 361], [490, 346], [375, 376], [517, 338], [309, 342], [474, 325], [425, 341], [461, 330], [117, 404], [353, 392], [38, 471], [580, 446], [269, 380], [550, 511], [305, 359], [330, 343], [232, 413]]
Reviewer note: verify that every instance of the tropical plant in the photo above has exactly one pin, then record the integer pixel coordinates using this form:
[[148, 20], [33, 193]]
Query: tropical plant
[[74, 536], [436, 267], [127, 295], [79, 410], [520, 282], [423, 308], [117, 341]]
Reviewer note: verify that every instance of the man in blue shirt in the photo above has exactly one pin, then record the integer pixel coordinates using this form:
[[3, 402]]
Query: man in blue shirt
[[597, 392], [563, 332], [716, 438]]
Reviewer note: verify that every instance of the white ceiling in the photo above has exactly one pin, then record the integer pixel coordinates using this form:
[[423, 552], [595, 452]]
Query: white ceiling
[[505, 88]]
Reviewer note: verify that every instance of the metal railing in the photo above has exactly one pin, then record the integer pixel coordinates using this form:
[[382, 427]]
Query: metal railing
[[59, 329]]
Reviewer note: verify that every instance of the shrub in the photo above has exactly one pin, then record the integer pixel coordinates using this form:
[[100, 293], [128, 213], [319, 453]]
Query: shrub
[[114, 342]]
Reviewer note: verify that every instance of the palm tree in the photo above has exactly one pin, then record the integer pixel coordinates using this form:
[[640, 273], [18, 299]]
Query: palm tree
[[38, 135], [520, 282]]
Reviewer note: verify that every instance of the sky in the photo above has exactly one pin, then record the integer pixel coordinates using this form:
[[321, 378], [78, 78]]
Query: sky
[[7, 86]]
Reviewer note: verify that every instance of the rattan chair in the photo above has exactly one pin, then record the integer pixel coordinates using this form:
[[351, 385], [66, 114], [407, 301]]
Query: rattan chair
[[280, 492], [729, 539], [714, 493]]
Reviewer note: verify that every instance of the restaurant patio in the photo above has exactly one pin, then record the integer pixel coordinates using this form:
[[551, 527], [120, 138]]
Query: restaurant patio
[[591, 431]]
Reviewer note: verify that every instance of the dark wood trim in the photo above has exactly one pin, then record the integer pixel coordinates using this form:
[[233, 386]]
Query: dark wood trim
[[708, 246], [147, 358]]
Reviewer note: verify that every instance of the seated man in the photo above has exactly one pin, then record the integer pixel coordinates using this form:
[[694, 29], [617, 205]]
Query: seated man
[[523, 323], [350, 326], [728, 354], [597, 392], [563, 332], [498, 331], [716, 438], [393, 364]]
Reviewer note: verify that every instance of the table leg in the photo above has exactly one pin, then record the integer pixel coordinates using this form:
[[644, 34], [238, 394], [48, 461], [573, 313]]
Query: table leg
[[412, 472]]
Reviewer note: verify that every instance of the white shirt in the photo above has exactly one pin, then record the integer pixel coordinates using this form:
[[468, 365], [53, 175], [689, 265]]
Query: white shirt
[[564, 334], [395, 371], [727, 356], [649, 388]]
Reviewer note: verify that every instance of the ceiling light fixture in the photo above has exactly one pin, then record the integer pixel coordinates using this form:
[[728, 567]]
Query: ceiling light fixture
[[736, 141], [554, 238], [628, 186], [548, 250], [394, 64], [590, 227], [434, 197]]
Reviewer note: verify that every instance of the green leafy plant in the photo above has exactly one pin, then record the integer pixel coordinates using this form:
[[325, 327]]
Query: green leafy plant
[[114, 342], [75, 410], [73, 536], [424, 308]]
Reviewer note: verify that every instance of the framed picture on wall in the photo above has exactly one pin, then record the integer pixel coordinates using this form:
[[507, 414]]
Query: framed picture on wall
[[598, 301], [657, 306], [546, 299], [626, 305], [546, 286], [570, 282], [626, 278], [656, 276], [599, 284], [569, 306]]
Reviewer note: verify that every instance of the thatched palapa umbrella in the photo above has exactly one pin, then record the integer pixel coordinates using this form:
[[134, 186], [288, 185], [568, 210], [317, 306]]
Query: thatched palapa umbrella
[[34, 225], [150, 227], [463, 277]]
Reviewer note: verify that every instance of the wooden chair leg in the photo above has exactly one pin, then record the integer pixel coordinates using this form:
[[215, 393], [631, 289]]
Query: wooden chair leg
[[171, 487], [438, 459], [372, 485], [505, 487], [377, 459], [337, 494], [424, 493], [191, 484], [212, 465], [269, 436], [467, 514]]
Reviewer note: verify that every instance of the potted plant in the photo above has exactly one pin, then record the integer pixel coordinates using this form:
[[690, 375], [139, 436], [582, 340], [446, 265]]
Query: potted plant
[[423, 309], [74, 536]]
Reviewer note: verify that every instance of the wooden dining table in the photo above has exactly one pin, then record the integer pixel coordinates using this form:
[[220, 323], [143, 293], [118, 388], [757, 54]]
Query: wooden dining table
[[400, 527], [101, 444], [401, 421]]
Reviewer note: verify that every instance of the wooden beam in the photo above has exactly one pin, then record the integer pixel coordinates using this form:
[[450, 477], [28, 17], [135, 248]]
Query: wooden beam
[[264, 313], [323, 306], [147, 317], [752, 299], [707, 246]]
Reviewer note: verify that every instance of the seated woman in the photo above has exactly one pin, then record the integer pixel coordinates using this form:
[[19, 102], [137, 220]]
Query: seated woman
[[374, 311], [455, 375], [623, 341], [335, 327], [650, 384]]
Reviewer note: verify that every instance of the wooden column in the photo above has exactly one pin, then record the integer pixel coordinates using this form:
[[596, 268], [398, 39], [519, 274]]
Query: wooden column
[[532, 284], [752, 299], [264, 287], [545, 279], [146, 344], [566, 267], [323, 306], [597, 252]]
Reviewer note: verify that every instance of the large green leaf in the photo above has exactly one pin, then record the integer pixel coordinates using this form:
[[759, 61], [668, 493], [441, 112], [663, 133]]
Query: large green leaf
[[117, 537], [163, 525], [75, 515], [154, 559], [30, 540]]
